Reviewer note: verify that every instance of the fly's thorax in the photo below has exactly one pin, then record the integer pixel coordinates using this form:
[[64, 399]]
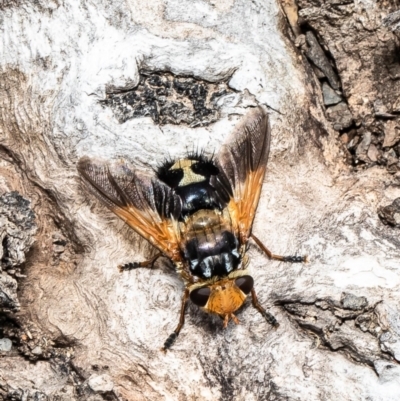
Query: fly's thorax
[[188, 175], [190, 179], [194, 169]]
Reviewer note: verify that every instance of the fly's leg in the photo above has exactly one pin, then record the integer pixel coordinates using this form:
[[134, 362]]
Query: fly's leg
[[291, 259], [268, 317], [171, 339], [135, 265]]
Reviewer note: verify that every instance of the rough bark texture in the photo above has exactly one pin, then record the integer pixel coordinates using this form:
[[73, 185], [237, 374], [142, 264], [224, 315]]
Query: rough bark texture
[[149, 80]]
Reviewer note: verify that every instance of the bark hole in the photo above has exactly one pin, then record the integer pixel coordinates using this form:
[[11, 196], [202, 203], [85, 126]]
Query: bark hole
[[170, 99]]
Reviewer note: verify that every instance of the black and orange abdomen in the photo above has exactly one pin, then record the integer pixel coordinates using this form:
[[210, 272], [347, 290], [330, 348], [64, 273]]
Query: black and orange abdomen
[[209, 244]]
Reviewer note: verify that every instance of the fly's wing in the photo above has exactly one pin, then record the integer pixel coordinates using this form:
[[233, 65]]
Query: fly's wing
[[146, 204], [242, 162]]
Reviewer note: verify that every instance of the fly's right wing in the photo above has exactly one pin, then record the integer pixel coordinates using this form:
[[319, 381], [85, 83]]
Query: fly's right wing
[[242, 162], [144, 203]]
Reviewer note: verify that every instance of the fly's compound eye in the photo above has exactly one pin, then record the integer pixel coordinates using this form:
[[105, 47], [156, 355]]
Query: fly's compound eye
[[200, 296], [245, 283]]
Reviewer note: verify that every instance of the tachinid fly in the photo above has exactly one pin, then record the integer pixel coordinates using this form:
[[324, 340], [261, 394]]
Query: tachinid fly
[[198, 212]]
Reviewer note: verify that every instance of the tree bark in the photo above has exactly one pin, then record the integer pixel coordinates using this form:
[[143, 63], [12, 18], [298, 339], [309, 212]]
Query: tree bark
[[148, 81]]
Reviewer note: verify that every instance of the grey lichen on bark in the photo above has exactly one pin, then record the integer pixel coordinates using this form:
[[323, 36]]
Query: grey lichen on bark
[[17, 231], [86, 332]]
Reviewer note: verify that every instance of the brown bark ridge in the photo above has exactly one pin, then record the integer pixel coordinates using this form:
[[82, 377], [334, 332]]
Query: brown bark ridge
[[149, 81]]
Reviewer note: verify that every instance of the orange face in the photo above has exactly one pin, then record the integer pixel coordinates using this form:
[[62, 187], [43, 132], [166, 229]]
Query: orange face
[[223, 297]]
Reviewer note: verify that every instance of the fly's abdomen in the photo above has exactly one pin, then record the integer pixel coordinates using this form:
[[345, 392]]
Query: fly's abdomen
[[210, 245]]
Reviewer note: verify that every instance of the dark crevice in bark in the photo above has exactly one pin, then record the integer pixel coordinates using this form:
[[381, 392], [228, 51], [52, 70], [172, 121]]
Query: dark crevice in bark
[[19, 336], [350, 327], [369, 127], [169, 99], [59, 218], [390, 214]]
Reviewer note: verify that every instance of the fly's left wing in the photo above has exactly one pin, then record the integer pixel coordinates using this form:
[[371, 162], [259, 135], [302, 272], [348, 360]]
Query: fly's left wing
[[145, 204], [242, 163]]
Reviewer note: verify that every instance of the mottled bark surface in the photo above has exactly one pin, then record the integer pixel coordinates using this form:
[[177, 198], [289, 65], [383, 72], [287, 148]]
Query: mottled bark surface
[[150, 80]]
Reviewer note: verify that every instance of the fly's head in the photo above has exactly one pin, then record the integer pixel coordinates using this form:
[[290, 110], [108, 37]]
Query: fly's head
[[223, 297]]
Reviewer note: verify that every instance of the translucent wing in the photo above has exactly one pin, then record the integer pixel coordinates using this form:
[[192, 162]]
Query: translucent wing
[[242, 162], [144, 203]]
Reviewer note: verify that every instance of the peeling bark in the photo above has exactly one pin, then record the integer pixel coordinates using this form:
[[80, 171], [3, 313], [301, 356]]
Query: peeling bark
[[80, 78], [359, 45]]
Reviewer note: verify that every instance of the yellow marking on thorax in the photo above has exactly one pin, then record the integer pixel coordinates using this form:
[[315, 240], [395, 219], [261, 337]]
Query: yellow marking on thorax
[[189, 177]]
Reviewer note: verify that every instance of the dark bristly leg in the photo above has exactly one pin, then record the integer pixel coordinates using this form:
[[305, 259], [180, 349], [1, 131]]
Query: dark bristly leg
[[171, 339], [291, 259], [135, 265], [269, 318]]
